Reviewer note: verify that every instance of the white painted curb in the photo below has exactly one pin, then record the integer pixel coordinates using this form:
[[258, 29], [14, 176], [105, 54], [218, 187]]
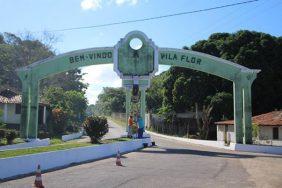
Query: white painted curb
[[72, 136], [218, 144], [31, 144], [20, 165], [259, 148]]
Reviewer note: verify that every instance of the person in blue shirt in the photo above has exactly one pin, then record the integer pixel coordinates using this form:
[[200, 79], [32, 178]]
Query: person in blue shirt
[[141, 126]]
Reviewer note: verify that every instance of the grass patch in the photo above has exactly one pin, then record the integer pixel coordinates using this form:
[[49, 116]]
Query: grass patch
[[55, 141], [54, 147], [3, 142], [115, 140]]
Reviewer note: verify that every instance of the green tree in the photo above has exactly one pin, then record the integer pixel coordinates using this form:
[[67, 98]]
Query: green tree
[[154, 95], [72, 103], [222, 104], [17, 52], [77, 104], [254, 50], [110, 100]]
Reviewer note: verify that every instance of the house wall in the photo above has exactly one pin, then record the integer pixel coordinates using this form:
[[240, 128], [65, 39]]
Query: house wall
[[10, 117], [266, 132], [230, 133], [2, 109]]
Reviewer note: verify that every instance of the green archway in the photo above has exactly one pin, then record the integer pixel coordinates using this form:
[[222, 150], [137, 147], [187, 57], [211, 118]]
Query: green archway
[[137, 67]]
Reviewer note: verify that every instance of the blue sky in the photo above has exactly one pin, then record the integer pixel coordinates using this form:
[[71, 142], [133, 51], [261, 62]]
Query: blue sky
[[20, 16]]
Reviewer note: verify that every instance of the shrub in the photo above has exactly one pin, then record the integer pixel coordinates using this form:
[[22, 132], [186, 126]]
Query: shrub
[[2, 134], [96, 127], [255, 130], [58, 122], [43, 134], [10, 136], [72, 128]]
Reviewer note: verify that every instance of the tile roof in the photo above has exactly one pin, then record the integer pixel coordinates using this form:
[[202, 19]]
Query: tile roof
[[273, 118], [17, 99]]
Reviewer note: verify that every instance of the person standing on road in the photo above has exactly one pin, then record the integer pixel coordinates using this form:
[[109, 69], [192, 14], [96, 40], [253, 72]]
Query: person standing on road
[[130, 126], [140, 124]]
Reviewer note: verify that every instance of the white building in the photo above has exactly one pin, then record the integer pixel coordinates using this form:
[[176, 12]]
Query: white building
[[269, 129], [10, 106]]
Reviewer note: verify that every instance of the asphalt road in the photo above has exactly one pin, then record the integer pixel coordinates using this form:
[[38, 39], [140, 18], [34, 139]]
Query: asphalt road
[[171, 164], [115, 130]]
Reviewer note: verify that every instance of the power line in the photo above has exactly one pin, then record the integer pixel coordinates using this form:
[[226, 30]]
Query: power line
[[154, 18]]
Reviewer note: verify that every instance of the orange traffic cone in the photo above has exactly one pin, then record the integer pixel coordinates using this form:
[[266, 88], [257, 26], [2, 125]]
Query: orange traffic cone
[[118, 161], [38, 178]]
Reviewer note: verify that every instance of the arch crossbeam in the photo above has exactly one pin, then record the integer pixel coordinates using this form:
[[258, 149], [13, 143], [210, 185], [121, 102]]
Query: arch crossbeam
[[32, 74]]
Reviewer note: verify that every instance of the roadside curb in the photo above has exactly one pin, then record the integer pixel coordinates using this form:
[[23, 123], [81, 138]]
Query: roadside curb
[[277, 150], [26, 164]]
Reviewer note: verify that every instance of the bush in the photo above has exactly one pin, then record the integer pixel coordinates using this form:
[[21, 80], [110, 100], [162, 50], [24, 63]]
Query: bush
[[2, 134], [73, 128], [96, 127], [10, 136], [58, 122], [43, 134], [255, 130]]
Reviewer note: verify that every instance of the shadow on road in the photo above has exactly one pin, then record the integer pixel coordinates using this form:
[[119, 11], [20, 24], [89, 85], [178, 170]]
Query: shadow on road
[[162, 150]]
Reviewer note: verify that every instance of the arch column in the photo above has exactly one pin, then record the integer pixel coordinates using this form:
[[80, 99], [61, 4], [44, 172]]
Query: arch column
[[247, 78], [247, 117], [25, 107], [29, 106], [238, 111], [127, 104], [143, 104], [33, 115]]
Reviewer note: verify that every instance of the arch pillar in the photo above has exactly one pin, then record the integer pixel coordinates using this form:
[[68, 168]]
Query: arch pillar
[[29, 106], [143, 103], [33, 115], [247, 117], [247, 80], [127, 105], [25, 107], [238, 111]]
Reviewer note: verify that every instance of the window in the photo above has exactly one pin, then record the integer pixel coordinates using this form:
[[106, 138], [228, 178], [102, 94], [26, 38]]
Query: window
[[275, 133], [18, 109]]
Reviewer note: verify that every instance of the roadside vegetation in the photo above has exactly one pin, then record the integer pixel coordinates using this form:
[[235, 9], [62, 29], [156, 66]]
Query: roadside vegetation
[[96, 127]]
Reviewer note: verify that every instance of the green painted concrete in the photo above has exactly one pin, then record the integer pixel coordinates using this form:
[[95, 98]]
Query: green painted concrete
[[142, 63], [135, 62]]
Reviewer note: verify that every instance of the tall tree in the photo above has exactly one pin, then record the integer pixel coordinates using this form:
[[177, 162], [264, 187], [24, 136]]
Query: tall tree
[[254, 50], [17, 52], [110, 100], [154, 95]]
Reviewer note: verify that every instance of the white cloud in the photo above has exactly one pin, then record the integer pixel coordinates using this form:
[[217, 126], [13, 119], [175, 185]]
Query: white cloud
[[91, 4], [96, 4], [99, 76], [123, 2]]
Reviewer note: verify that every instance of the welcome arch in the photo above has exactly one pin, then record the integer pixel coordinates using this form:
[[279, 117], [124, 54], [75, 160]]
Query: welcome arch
[[137, 67]]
